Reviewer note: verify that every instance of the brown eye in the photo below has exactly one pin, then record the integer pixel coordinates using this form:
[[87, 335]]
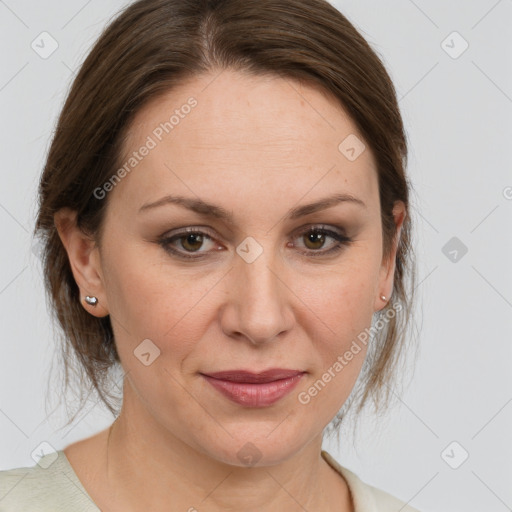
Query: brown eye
[[192, 241], [188, 242], [315, 240]]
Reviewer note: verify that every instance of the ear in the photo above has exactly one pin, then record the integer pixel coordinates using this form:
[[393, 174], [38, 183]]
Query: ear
[[387, 271], [84, 259]]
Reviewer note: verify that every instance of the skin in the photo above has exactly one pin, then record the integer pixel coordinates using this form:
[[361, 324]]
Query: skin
[[258, 147]]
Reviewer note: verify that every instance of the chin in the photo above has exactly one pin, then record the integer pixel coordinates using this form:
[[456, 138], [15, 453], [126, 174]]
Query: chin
[[256, 448]]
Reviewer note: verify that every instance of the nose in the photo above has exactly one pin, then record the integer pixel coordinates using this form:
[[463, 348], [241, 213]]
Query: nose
[[258, 306]]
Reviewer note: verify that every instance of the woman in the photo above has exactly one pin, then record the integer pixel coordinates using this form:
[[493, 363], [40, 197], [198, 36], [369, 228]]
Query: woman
[[225, 211]]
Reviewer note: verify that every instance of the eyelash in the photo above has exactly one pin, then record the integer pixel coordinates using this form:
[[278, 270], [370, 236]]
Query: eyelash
[[342, 240]]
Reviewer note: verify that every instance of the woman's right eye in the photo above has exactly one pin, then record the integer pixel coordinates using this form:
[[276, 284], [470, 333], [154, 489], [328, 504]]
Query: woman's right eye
[[190, 240]]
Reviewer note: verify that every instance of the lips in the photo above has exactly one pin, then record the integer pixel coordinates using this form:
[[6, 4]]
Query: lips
[[254, 378], [254, 389]]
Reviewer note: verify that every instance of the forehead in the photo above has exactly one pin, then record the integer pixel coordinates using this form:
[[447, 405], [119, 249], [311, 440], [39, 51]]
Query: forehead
[[243, 131]]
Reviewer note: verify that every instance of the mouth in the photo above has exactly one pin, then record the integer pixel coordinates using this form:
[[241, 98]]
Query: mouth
[[254, 389]]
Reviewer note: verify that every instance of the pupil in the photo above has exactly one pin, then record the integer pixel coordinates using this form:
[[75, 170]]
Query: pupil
[[316, 238], [193, 239]]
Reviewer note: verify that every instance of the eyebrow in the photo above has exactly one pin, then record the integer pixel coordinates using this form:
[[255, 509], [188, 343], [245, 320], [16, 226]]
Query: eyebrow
[[210, 210]]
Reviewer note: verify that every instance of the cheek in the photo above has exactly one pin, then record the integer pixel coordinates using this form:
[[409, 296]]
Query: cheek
[[338, 315], [342, 298], [346, 314], [155, 301]]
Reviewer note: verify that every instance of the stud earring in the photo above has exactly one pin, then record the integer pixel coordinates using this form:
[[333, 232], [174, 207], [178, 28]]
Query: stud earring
[[383, 297], [92, 301]]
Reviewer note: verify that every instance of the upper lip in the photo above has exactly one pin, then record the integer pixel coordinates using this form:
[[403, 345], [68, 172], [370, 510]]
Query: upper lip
[[250, 377]]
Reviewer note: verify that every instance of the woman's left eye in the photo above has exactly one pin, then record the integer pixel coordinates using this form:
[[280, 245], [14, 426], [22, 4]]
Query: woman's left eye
[[191, 240], [315, 236]]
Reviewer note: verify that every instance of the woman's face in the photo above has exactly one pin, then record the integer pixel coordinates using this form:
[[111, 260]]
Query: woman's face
[[256, 288]]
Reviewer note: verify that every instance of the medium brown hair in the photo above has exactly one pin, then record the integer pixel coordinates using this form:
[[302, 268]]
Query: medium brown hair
[[155, 45]]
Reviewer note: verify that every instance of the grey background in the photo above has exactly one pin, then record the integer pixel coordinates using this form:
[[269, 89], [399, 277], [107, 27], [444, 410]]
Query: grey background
[[457, 113]]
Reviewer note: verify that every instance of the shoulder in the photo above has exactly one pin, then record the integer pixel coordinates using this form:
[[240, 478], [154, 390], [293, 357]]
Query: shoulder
[[50, 485], [367, 498]]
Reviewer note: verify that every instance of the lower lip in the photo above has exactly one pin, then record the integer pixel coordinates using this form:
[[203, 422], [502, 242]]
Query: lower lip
[[255, 395]]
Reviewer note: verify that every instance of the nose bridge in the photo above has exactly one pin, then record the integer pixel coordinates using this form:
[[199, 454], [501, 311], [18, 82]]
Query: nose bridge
[[260, 297], [260, 276]]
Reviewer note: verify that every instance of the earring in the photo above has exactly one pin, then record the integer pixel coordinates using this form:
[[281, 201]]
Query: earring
[[383, 297], [92, 301]]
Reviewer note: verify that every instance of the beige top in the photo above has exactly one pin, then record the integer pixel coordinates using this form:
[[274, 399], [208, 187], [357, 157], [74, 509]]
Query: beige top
[[53, 486]]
